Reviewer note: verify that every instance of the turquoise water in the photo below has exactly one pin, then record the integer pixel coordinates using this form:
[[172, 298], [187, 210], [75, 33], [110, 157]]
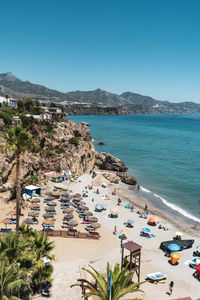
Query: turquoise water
[[161, 151]]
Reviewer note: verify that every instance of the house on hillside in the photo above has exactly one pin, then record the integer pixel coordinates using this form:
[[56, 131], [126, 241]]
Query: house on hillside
[[55, 177]]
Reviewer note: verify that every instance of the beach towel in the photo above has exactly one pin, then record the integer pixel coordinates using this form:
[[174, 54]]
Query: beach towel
[[150, 236], [127, 205]]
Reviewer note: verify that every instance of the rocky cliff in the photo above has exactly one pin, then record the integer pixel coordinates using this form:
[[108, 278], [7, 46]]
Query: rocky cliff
[[60, 146], [67, 146]]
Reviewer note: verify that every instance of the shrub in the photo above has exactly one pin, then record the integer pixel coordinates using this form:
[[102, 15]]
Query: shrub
[[74, 141], [60, 150]]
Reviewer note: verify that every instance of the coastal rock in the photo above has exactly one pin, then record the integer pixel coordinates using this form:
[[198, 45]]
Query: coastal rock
[[112, 177], [99, 179], [101, 143], [56, 154], [127, 178], [106, 161]]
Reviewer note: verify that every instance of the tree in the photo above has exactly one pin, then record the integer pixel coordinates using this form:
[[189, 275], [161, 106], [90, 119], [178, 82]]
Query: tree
[[121, 283], [18, 140], [10, 285]]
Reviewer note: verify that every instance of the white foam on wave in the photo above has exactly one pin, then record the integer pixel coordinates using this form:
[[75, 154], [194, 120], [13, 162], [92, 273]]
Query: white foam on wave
[[173, 206]]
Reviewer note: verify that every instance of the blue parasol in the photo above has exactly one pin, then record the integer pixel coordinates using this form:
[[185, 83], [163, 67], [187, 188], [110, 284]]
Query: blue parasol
[[145, 230], [130, 221], [173, 247]]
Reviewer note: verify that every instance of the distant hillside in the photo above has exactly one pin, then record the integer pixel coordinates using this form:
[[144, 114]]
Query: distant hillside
[[130, 102]]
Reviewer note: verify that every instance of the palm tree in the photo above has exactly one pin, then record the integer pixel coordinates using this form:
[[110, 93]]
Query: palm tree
[[10, 284], [42, 246], [18, 140], [120, 285]]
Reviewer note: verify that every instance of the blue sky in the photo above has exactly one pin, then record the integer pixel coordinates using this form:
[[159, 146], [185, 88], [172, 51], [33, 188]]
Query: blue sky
[[150, 47]]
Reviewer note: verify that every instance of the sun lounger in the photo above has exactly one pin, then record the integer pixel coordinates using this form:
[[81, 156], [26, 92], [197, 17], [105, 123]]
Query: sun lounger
[[156, 277], [6, 229]]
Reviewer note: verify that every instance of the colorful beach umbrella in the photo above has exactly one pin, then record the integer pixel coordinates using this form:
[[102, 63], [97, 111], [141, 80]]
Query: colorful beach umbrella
[[124, 231], [175, 258], [173, 247], [153, 219], [114, 211], [146, 230]]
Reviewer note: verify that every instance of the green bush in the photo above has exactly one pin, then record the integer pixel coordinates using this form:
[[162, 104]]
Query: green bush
[[74, 141], [60, 150]]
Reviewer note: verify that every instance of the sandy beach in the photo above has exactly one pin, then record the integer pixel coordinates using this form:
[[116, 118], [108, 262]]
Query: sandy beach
[[74, 254]]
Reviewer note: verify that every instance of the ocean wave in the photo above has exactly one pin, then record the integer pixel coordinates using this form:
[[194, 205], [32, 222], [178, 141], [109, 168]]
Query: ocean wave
[[173, 206]]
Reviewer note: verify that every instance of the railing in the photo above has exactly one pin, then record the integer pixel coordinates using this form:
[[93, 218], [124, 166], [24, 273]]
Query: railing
[[73, 234]]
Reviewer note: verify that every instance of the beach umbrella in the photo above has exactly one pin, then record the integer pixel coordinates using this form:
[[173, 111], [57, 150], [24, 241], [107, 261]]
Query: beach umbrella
[[33, 213], [68, 217], [11, 212], [35, 200], [49, 209], [99, 206], [65, 195], [146, 230], [114, 211], [28, 221], [76, 195], [81, 203], [178, 233], [48, 215], [175, 258], [83, 208], [153, 219], [68, 210], [198, 269], [124, 231], [130, 221], [52, 204], [88, 213], [173, 247], [48, 222], [73, 223], [95, 225], [65, 198], [34, 205], [77, 199], [5, 221], [92, 219], [49, 198]]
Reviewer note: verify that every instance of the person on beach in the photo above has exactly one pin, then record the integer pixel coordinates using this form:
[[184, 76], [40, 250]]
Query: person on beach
[[97, 191], [92, 199], [171, 285], [138, 188], [115, 230], [119, 201], [132, 208], [145, 208]]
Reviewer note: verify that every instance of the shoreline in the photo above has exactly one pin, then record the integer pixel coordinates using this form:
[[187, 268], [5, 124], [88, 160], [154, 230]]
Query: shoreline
[[81, 253], [168, 215]]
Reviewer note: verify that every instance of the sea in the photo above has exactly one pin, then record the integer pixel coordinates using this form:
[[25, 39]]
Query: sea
[[161, 151]]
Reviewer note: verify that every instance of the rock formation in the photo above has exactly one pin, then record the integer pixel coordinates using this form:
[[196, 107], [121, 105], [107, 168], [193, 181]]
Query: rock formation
[[105, 161]]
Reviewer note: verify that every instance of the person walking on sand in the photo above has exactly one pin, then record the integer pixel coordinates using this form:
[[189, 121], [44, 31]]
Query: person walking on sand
[[138, 188], [145, 208], [115, 230], [171, 285]]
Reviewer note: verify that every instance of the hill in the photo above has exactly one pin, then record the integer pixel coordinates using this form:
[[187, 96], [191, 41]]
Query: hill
[[127, 101]]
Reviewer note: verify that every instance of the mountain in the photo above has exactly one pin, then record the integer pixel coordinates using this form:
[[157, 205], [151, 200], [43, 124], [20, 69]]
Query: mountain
[[133, 103]]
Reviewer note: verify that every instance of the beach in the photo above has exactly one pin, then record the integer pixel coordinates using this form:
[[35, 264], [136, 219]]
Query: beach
[[74, 254]]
